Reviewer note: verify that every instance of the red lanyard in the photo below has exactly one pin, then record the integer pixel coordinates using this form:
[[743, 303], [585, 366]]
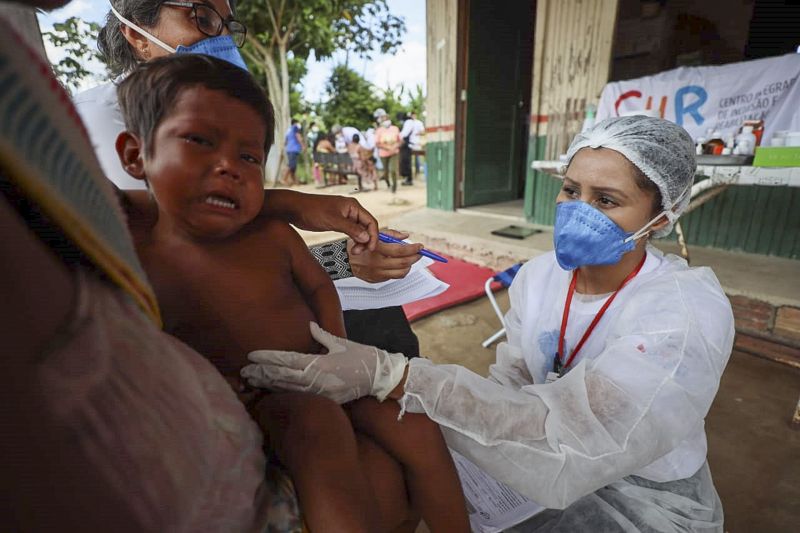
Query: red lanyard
[[557, 363]]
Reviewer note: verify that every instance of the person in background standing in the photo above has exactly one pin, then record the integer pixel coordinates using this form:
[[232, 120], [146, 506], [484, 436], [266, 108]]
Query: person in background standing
[[387, 139], [405, 147], [417, 140], [293, 142], [311, 141]]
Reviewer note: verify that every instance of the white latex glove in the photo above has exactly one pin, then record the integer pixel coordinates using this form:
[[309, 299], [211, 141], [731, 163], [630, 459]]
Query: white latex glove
[[347, 372]]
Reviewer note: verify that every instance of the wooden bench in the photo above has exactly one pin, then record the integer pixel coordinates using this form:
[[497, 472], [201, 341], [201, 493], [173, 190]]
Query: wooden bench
[[337, 165]]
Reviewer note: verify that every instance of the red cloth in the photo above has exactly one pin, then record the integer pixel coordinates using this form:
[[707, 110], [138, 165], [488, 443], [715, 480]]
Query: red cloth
[[466, 282]]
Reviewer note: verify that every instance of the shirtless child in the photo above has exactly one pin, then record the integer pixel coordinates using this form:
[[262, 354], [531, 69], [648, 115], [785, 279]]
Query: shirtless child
[[230, 282]]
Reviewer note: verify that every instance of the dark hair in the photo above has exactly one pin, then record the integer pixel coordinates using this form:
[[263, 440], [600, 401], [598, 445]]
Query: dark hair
[[116, 52], [356, 138], [149, 93], [647, 185]]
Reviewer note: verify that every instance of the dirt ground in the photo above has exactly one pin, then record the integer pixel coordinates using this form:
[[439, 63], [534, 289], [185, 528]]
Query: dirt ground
[[753, 453]]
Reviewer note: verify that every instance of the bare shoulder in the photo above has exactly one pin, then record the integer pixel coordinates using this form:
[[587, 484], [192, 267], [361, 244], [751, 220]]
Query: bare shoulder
[[272, 226], [280, 233]]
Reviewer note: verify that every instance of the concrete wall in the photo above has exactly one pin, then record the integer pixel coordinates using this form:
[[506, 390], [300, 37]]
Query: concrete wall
[[441, 17]]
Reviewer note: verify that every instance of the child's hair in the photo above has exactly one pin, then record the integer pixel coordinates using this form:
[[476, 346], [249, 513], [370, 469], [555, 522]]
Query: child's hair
[[356, 138], [148, 94]]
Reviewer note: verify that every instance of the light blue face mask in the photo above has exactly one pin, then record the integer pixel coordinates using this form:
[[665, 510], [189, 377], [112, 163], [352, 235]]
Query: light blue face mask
[[221, 46], [583, 236]]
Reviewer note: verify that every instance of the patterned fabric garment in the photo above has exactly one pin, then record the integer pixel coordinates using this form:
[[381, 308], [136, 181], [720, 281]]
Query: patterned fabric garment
[[333, 258], [153, 420], [46, 150]]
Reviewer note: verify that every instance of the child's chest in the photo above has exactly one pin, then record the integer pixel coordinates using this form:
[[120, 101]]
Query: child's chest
[[224, 301]]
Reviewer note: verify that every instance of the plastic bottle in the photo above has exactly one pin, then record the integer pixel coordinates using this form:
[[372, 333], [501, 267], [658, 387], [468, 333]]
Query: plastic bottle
[[715, 144], [745, 142], [698, 145]]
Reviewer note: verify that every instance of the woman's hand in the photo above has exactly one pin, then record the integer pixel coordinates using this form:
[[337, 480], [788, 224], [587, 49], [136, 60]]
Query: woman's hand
[[387, 261], [318, 212], [347, 372]]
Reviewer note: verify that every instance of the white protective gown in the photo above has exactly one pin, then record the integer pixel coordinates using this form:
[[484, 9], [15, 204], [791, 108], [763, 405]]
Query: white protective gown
[[629, 415]]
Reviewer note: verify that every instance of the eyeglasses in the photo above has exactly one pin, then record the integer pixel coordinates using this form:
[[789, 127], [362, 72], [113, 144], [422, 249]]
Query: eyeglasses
[[211, 23]]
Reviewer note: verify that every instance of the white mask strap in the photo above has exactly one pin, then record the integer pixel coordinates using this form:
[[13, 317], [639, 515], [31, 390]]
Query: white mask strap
[[669, 213], [150, 37]]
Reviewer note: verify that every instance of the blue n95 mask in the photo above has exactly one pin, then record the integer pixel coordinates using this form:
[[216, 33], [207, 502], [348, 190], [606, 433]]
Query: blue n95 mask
[[221, 46], [583, 235]]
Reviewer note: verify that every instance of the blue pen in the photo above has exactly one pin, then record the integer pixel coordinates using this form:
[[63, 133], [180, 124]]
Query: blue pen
[[388, 238]]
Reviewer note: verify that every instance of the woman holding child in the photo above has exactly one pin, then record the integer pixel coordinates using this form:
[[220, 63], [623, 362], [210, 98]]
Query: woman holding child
[[595, 406]]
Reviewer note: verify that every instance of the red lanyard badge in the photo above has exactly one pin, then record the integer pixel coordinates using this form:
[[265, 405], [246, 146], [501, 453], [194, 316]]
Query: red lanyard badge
[[558, 364]]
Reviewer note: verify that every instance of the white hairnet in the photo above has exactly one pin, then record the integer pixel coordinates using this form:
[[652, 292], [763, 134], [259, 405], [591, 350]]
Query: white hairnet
[[661, 149], [380, 112]]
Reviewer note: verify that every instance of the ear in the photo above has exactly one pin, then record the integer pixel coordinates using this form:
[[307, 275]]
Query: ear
[[138, 42], [130, 150], [662, 222]]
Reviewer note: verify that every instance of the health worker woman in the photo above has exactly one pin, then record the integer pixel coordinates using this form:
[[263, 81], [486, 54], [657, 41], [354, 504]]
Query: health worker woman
[[595, 406], [141, 30]]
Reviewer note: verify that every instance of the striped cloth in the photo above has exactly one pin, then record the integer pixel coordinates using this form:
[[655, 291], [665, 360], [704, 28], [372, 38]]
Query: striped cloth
[[46, 154]]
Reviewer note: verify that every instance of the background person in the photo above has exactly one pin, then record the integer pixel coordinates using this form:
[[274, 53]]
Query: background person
[[417, 139], [388, 141], [595, 407], [404, 163], [294, 145]]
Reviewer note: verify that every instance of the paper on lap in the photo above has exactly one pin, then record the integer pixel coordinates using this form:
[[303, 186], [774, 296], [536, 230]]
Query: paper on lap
[[417, 285], [492, 505]]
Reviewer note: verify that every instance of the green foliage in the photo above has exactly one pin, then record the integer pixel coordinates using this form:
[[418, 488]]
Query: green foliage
[[324, 26], [76, 38], [352, 99], [416, 101]]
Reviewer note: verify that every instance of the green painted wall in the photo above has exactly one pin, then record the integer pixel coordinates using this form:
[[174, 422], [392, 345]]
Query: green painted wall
[[440, 161], [540, 189], [754, 219]]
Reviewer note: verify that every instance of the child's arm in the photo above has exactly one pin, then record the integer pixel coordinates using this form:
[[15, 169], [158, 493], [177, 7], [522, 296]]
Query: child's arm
[[315, 284]]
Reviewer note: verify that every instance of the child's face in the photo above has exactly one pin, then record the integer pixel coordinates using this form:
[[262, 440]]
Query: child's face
[[206, 166]]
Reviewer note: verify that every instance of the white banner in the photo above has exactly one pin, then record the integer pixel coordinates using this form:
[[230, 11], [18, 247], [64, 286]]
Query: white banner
[[717, 97]]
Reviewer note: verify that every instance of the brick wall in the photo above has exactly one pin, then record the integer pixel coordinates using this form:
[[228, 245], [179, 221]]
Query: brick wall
[[767, 330]]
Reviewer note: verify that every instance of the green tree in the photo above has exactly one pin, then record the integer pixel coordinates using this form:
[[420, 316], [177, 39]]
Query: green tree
[[75, 38], [416, 101], [280, 31], [352, 99]]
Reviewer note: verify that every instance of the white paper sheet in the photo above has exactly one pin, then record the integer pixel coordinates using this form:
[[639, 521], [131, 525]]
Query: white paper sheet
[[417, 285], [492, 505]]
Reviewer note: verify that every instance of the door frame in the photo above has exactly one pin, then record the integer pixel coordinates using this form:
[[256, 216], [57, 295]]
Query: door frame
[[462, 70]]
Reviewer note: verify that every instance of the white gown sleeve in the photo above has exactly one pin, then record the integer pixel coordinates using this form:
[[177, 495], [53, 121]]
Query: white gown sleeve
[[609, 416], [510, 369]]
